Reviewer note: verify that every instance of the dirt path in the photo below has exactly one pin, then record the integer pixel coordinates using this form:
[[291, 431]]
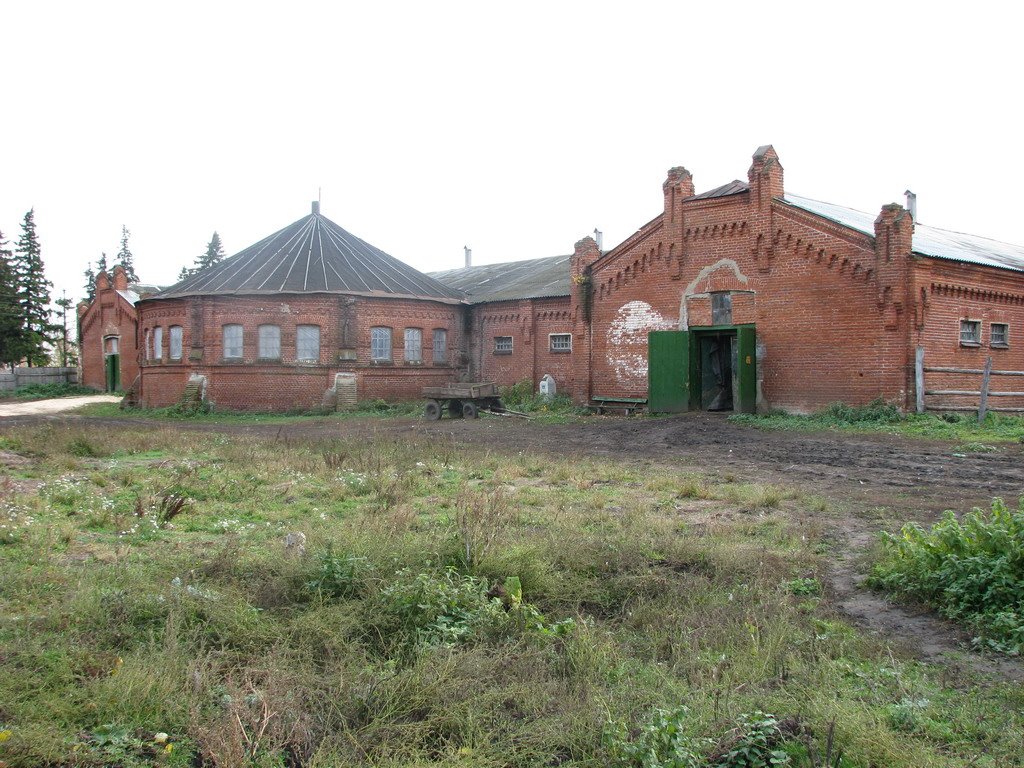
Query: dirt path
[[53, 406], [866, 478]]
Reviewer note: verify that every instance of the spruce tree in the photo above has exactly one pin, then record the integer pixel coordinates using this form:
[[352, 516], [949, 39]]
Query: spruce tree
[[33, 292], [125, 257], [214, 255], [90, 282], [101, 264], [66, 348], [12, 335]]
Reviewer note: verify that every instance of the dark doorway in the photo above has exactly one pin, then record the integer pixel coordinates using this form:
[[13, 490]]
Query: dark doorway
[[717, 354]]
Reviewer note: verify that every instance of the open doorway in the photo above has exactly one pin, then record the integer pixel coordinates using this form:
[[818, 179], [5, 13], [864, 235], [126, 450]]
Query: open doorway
[[715, 365], [112, 363]]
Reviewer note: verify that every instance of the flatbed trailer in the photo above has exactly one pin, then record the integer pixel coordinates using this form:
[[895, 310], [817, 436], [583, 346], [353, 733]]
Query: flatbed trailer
[[462, 401]]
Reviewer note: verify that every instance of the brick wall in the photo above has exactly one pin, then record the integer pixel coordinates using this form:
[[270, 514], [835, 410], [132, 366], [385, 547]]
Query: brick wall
[[530, 324], [831, 325], [345, 323]]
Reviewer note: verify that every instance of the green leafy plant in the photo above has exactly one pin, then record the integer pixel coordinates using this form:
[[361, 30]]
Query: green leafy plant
[[754, 743], [969, 569], [662, 742], [804, 587], [340, 577]]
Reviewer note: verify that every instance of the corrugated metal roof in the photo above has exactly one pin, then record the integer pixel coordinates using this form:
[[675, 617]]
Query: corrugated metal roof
[[734, 187], [130, 296], [928, 241], [530, 279], [313, 255]]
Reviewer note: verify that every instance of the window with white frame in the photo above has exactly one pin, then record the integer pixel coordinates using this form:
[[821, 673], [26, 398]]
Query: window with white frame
[[970, 332], [113, 343], [270, 342], [503, 345], [560, 342], [380, 344], [413, 345], [232, 336], [999, 335], [307, 343], [148, 346], [158, 343], [175, 341], [440, 345]]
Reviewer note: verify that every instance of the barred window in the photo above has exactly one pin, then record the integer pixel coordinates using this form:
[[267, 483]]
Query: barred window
[[232, 341], [307, 342], [503, 345], [413, 345], [560, 342], [440, 345], [158, 343], [380, 344], [1000, 335], [970, 332], [175, 350], [270, 342]]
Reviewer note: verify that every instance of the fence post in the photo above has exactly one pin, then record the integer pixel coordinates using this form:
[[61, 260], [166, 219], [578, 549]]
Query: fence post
[[919, 378], [986, 374]]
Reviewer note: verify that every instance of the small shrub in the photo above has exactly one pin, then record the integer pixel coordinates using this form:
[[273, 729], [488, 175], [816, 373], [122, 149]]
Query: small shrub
[[804, 587], [877, 411], [47, 391], [754, 743], [662, 742], [340, 576], [969, 569]]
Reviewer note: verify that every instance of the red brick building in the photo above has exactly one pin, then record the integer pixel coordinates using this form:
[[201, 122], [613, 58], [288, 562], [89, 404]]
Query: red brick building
[[758, 298]]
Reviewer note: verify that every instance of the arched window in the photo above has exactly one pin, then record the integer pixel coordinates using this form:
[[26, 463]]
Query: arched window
[[440, 346], [270, 342], [158, 343], [232, 341], [380, 344], [413, 345], [174, 353], [307, 343]]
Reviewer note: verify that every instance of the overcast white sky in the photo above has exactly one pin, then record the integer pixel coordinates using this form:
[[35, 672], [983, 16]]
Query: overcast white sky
[[515, 128]]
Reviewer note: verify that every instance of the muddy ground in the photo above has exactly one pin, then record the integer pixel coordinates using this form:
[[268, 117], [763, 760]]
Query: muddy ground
[[867, 480]]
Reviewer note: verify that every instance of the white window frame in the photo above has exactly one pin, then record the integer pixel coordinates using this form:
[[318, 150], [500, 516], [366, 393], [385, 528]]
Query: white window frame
[[268, 337], [229, 329], [175, 342], [992, 335], [158, 343], [148, 345], [562, 348], [413, 350], [380, 344], [440, 350], [307, 343], [500, 346], [975, 339]]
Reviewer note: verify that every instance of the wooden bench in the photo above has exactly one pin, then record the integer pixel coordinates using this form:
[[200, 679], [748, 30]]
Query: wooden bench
[[628, 405]]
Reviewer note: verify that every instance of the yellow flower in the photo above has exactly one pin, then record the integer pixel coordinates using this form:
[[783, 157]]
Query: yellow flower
[[4, 736], [169, 748]]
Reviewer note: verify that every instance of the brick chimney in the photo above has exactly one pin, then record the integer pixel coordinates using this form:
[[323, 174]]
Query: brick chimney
[[585, 254], [678, 185], [894, 240], [765, 177], [102, 282], [120, 278]]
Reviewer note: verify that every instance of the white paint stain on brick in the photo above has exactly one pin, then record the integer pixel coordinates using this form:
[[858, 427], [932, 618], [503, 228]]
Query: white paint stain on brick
[[627, 341]]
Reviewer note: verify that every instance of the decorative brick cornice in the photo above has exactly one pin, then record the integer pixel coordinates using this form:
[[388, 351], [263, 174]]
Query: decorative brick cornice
[[952, 290]]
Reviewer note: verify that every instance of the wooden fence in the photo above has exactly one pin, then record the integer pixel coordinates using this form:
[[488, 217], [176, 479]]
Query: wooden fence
[[22, 377], [983, 393]]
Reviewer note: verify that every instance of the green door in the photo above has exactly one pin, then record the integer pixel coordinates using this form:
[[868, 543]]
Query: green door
[[668, 371], [746, 369], [113, 372]]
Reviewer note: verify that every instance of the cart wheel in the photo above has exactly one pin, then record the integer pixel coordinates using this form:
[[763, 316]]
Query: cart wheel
[[433, 410], [469, 410], [455, 409]]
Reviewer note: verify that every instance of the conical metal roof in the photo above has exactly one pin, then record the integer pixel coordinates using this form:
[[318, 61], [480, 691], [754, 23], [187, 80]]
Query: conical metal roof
[[313, 255]]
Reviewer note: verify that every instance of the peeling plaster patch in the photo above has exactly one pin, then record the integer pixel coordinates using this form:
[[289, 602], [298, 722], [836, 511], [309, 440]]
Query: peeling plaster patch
[[627, 341], [703, 275]]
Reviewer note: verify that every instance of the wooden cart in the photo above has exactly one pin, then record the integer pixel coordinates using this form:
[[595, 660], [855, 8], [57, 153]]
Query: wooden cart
[[462, 401]]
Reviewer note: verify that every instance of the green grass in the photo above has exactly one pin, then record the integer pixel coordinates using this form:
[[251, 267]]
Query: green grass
[[452, 607], [47, 391], [879, 417]]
